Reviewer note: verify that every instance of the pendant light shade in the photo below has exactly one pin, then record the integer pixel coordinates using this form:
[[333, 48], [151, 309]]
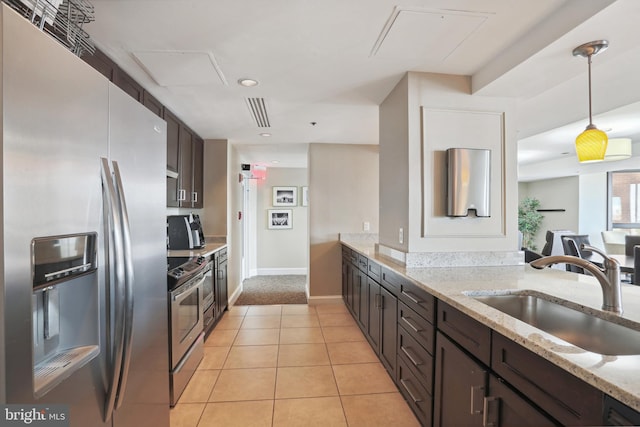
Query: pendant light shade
[[591, 145], [618, 149]]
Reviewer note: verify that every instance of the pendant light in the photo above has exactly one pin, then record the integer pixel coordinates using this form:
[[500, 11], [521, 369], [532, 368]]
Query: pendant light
[[591, 145]]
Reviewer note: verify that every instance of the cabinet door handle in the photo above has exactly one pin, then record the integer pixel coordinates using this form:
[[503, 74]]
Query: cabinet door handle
[[494, 421], [194, 197], [411, 297], [411, 324], [377, 301], [407, 387], [477, 393], [414, 359], [182, 195]]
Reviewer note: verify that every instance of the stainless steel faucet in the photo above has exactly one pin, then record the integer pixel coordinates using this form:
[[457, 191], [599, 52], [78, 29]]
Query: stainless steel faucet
[[608, 276]]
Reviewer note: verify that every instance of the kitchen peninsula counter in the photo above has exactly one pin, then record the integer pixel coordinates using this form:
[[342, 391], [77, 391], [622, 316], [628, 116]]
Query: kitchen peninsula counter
[[617, 376]]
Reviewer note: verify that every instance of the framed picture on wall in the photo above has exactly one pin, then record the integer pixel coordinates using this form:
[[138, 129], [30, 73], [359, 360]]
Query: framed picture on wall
[[305, 196], [280, 219], [285, 196]]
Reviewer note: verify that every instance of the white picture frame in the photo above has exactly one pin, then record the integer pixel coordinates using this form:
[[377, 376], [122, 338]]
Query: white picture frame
[[285, 196], [305, 196], [280, 219]]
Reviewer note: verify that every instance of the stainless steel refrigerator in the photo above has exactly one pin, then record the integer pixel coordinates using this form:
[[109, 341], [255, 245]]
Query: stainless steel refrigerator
[[83, 297]]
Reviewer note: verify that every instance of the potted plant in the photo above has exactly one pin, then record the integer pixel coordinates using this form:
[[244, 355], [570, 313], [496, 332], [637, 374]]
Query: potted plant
[[529, 220]]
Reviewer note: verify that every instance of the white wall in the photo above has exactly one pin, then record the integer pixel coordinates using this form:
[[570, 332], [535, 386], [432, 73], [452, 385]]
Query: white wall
[[593, 206], [282, 251], [559, 193], [234, 225]]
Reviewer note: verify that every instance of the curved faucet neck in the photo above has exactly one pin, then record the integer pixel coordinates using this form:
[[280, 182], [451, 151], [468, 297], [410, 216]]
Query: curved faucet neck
[[608, 277]]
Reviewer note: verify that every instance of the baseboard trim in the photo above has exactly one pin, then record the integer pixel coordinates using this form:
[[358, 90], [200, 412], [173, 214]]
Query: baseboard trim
[[329, 299], [234, 297], [280, 271]]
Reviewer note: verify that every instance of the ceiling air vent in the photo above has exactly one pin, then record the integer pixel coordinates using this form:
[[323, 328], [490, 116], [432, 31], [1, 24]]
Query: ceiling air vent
[[258, 110]]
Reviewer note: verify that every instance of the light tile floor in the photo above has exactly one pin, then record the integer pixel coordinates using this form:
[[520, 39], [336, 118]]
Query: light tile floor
[[290, 365]]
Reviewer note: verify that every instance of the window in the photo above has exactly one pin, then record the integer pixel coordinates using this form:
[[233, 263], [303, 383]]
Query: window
[[624, 199]]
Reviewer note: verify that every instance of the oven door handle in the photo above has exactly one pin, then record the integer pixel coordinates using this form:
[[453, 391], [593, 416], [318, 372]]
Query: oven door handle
[[185, 289]]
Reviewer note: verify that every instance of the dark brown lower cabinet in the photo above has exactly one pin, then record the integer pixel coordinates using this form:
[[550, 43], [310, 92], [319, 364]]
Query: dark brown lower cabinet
[[388, 330], [504, 407], [564, 396], [373, 333], [363, 299], [382, 329], [459, 388], [466, 393], [414, 392]]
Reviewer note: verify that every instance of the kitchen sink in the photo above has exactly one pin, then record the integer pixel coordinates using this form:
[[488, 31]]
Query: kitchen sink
[[586, 330]]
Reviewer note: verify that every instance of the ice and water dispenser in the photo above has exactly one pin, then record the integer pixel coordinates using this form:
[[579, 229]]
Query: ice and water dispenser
[[65, 307]]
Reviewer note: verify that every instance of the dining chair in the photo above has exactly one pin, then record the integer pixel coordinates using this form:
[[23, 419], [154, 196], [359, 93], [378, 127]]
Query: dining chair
[[629, 242], [636, 265], [571, 245]]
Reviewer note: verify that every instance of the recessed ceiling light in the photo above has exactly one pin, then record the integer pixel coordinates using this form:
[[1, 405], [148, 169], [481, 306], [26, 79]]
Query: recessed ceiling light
[[265, 134], [247, 82], [275, 161]]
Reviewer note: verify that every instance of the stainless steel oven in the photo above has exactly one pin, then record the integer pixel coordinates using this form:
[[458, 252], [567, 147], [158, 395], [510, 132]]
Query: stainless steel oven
[[186, 316], [186, 308]]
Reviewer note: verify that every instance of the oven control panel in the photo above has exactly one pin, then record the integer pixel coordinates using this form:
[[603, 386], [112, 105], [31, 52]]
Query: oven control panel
[[185, 271]]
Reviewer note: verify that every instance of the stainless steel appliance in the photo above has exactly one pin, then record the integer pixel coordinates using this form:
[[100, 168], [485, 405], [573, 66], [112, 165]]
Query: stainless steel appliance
[[186, 309], [84, 239], [184, 232]]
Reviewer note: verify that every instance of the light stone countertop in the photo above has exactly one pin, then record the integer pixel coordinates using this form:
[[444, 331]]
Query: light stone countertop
[[618, 376], [209, 248]]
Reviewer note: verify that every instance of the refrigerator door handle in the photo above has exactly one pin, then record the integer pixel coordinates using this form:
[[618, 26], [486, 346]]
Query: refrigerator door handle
[[128, 284], [116, 285]]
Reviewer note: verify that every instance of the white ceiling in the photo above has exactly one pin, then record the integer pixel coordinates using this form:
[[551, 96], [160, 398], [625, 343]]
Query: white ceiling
[[333, 62]]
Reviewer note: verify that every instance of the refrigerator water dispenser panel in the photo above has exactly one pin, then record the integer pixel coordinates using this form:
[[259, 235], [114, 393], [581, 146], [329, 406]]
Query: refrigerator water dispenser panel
[[56, 259], [468, 181], [65, 319]]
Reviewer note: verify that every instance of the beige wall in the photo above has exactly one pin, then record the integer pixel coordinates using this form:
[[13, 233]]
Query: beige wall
[[282, 251], [394, 170], [343, 193], [449, 96], [214, 218]]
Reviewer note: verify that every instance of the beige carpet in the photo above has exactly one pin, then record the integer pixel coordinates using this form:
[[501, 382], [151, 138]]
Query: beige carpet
[[268, 290]]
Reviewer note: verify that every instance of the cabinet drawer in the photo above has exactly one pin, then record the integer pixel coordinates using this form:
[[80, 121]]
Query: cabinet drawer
[[363, 261], [470, 334], [354, 257], [373, 271], [419, 300], [563, 396], [416, 358], [414, 393], [390, 280], [421, 330], [346, 254], [222, 255]]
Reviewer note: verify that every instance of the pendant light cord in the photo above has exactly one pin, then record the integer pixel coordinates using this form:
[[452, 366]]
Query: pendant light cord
[[589, 67]]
